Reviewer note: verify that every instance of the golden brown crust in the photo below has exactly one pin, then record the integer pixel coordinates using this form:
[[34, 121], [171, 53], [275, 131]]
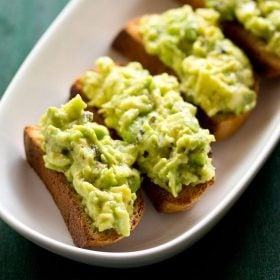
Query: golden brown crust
[[84, 235], [266, 63], [194, 3], [129, 43], [162, 200], [223, 126]]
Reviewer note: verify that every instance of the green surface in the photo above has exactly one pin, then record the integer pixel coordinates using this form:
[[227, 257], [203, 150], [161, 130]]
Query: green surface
[[244, 245]]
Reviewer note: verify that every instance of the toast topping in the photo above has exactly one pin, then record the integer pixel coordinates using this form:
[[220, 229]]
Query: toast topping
[[148, 111], [98, 167], [214, 73], [260, 17]]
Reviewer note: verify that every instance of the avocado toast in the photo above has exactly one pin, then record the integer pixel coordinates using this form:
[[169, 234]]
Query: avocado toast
[[149, 112], [88, 174], [214, 74], [252, 25]]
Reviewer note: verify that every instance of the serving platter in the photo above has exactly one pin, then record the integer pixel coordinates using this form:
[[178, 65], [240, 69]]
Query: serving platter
[[82, 32]]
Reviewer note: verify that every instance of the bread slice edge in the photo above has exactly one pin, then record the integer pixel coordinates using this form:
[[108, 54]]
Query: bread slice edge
[[162, 200]]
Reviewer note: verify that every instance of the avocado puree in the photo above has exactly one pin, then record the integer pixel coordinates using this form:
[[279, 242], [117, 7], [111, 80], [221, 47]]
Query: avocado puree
[[98, 167], [260, 17], [214, 73], [149, 112]]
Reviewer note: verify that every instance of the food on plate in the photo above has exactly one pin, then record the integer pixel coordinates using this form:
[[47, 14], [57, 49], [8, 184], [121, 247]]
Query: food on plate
[[89, 175], [254, 26], [214, 74], [149, 112]]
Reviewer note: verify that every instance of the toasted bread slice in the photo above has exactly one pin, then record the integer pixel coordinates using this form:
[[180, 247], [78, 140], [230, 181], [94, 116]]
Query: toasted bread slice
[[162, 200], [266, 63], [79, 224], [129, 43]]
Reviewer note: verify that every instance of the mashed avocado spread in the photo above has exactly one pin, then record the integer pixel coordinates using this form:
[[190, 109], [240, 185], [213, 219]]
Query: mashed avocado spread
[[214, 73], [260, 17], [98, 167], [149, 112]]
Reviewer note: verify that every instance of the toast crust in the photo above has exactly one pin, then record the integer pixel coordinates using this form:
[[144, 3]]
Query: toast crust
[[266, 63], [79, 224], [194, 3], [129, 43], [162, 200]]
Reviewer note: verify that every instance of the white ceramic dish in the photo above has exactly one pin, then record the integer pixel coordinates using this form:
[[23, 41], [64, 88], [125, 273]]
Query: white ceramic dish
[[79, 35]]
